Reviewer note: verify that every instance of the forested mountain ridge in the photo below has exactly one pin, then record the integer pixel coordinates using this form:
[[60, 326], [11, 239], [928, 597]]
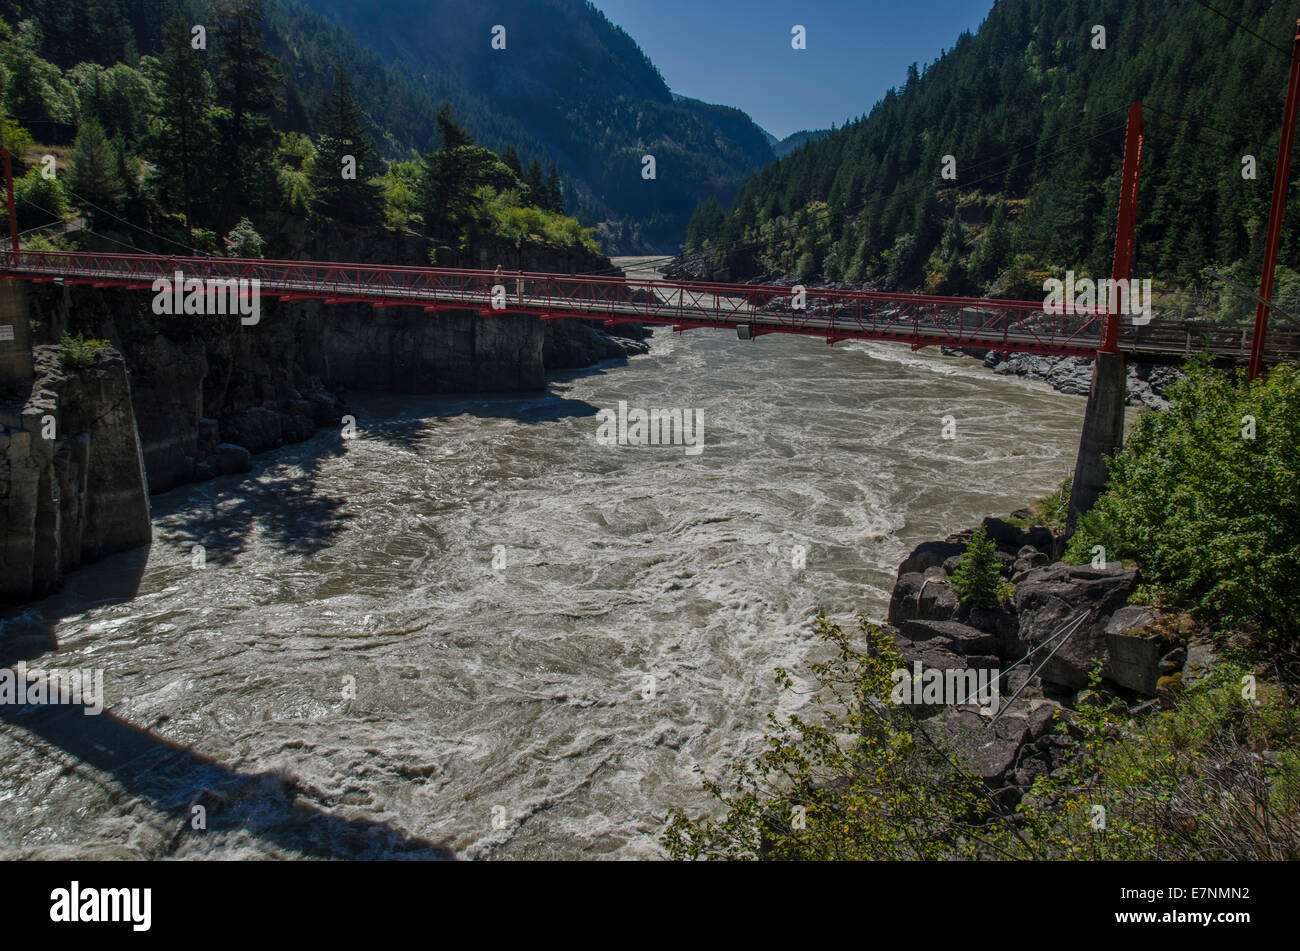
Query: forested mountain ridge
[[581, 86], [570, 90], [1032, 110], [209, 132], [401, 107]]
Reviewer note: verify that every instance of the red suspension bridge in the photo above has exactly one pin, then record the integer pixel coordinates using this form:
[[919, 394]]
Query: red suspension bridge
[[750, 310]]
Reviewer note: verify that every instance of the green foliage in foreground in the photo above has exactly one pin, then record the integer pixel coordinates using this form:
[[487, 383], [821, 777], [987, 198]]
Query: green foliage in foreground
[[1205, 497], [853, 783], [79, 351], [1218, 777]]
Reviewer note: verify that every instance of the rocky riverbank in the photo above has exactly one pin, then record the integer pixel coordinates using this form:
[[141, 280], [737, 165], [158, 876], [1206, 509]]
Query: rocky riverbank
[[209, 393], [1072, 375], [1146, 382], [1042, 643], [179, 399]]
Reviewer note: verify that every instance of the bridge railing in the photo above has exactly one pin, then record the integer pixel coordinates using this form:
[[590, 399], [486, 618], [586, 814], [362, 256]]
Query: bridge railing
[[835, 314]]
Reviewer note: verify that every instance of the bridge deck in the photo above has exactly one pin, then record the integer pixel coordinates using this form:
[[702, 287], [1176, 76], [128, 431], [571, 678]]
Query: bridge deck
[[1010, 326]]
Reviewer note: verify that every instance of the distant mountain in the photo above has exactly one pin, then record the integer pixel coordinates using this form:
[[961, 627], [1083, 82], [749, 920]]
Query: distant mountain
[[796, 140], [580, 88]]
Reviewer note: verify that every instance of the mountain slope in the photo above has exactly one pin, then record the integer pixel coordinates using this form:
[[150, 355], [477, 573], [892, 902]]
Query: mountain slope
[[796, 140], [1033, 115], [580, 87]]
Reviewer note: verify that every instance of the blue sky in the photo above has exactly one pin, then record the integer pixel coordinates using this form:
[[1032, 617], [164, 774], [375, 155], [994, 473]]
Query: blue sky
[[737, 52]]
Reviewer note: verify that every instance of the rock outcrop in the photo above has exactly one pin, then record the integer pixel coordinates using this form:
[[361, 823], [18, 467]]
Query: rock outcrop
[[1073, 375], [72, 482], [206, 386], [1043, 644]]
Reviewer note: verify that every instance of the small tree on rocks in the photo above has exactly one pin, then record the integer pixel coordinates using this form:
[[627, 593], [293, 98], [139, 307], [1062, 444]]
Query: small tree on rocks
[[977, 580]]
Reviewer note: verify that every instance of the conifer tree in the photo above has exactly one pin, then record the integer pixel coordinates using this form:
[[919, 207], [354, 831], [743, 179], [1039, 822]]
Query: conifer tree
[[554, 193], [977, 580], [534, 184], [96, 170], [248, 89], [511, 159], [343, 171], [180, 139]]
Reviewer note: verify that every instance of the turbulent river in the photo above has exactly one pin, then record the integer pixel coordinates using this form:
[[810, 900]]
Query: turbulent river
[[475, 631]]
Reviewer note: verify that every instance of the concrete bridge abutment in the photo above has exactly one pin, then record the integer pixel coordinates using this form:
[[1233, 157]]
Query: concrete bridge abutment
[[1103, 432], [15, 338]]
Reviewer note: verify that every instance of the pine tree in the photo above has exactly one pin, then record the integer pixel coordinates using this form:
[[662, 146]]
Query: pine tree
[[248, 87], [554, 193], [978, 580], [511, 159], [96, 176], [179, 143], [534, 185], [452, 176], [993, 252], [344, 146], [453, 134]]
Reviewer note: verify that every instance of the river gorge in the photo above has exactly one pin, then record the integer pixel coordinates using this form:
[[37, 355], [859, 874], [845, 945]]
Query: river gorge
[[474, 630]]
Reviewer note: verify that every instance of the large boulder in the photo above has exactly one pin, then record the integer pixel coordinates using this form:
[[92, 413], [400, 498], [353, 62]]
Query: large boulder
[[230, 459], [989, 749], [326, 408], [1029, 558], [903, 600], [928, 596], [296, 428], [958, 638], [929, 555], [1048, 597], [937, 601], [258, 428], [936, 655], [1038, 536], [1004, 533], [1134, 651], [1007, 753], [1003, 625]]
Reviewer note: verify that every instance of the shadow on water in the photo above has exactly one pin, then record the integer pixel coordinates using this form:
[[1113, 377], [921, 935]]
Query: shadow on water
[[293, 513], [410, 421], [290, 513], [282, 500], [269, 805], [27, 632]]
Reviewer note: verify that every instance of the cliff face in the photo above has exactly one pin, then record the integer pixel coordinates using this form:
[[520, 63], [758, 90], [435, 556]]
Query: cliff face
[[208, 391], [72, 484]]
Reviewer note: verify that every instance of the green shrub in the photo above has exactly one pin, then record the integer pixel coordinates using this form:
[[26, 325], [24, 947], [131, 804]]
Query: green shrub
[[80, 352], [857, 779], [244, 241], [1207, 508], [40, 200], [851, 782], [1184, 784]]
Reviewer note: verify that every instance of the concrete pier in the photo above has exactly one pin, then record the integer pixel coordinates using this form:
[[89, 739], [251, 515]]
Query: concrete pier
[[1103, 432]]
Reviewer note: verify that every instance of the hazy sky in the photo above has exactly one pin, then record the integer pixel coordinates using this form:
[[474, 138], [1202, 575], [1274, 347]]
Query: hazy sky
[[738, 53]]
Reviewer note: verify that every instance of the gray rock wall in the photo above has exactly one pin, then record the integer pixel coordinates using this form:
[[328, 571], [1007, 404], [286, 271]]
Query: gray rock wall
[[72, 483], [205, 387]]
